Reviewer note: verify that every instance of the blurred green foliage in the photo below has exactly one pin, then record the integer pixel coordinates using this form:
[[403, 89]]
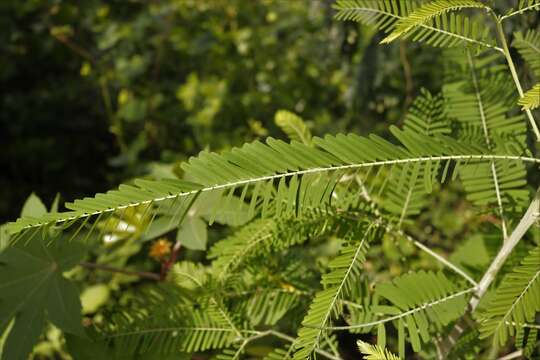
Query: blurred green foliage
[[123, 85]]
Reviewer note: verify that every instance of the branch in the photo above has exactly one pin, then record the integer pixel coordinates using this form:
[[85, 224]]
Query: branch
[[528, 219], [488, 141], [514, 355], [513, 71]]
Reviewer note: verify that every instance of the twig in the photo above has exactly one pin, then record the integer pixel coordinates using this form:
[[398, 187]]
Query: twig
[[391, 228], [488, 142], [292, 340], [512, 67], [528, 219], [142, 274], [514, 355], [401, 315]]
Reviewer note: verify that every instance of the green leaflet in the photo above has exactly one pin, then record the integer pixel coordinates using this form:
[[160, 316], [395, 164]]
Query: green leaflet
[[86, 349], [523, 6], [479, 96], [32, 289], [427, 115], [279, 354], [165, 319]]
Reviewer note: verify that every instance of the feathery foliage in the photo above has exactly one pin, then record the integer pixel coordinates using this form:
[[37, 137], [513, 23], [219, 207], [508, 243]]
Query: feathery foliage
[[531, 99], [317, 233], [528, 46], [312, 173], [375, 352], [433, 26], [429, 301], [516, 301], [428, 12], [344, 270]]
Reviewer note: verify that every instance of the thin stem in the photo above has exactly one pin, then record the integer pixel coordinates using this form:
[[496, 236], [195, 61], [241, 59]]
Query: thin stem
[[515, 355], [482, 157], [402, 315], [526, 222], [79, 50], [520, 11], [391, 228], [292, 340], [528, 219], [523, 325], [438, 257], [142, 274], [512, 67], [483, 119]]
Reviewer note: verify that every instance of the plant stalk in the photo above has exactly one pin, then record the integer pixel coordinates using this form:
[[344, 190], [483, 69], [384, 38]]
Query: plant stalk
[[506, 52], [528, 219]]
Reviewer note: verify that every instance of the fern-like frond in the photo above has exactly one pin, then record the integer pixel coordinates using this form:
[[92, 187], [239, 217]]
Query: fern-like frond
[[467, 346], [164, 318], [435, 299], [196, 331], [529, 343], [232, 251], [261, 236], [516, 301], [277, 178], [478, 100], [375, 352], [338, 282], [293, 126], [427, 115], [360, 312], [407, 188], [523, 6], [426, 13], [531, 99], [381, 14], [267, 307], [528, 46], [442, 30]]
